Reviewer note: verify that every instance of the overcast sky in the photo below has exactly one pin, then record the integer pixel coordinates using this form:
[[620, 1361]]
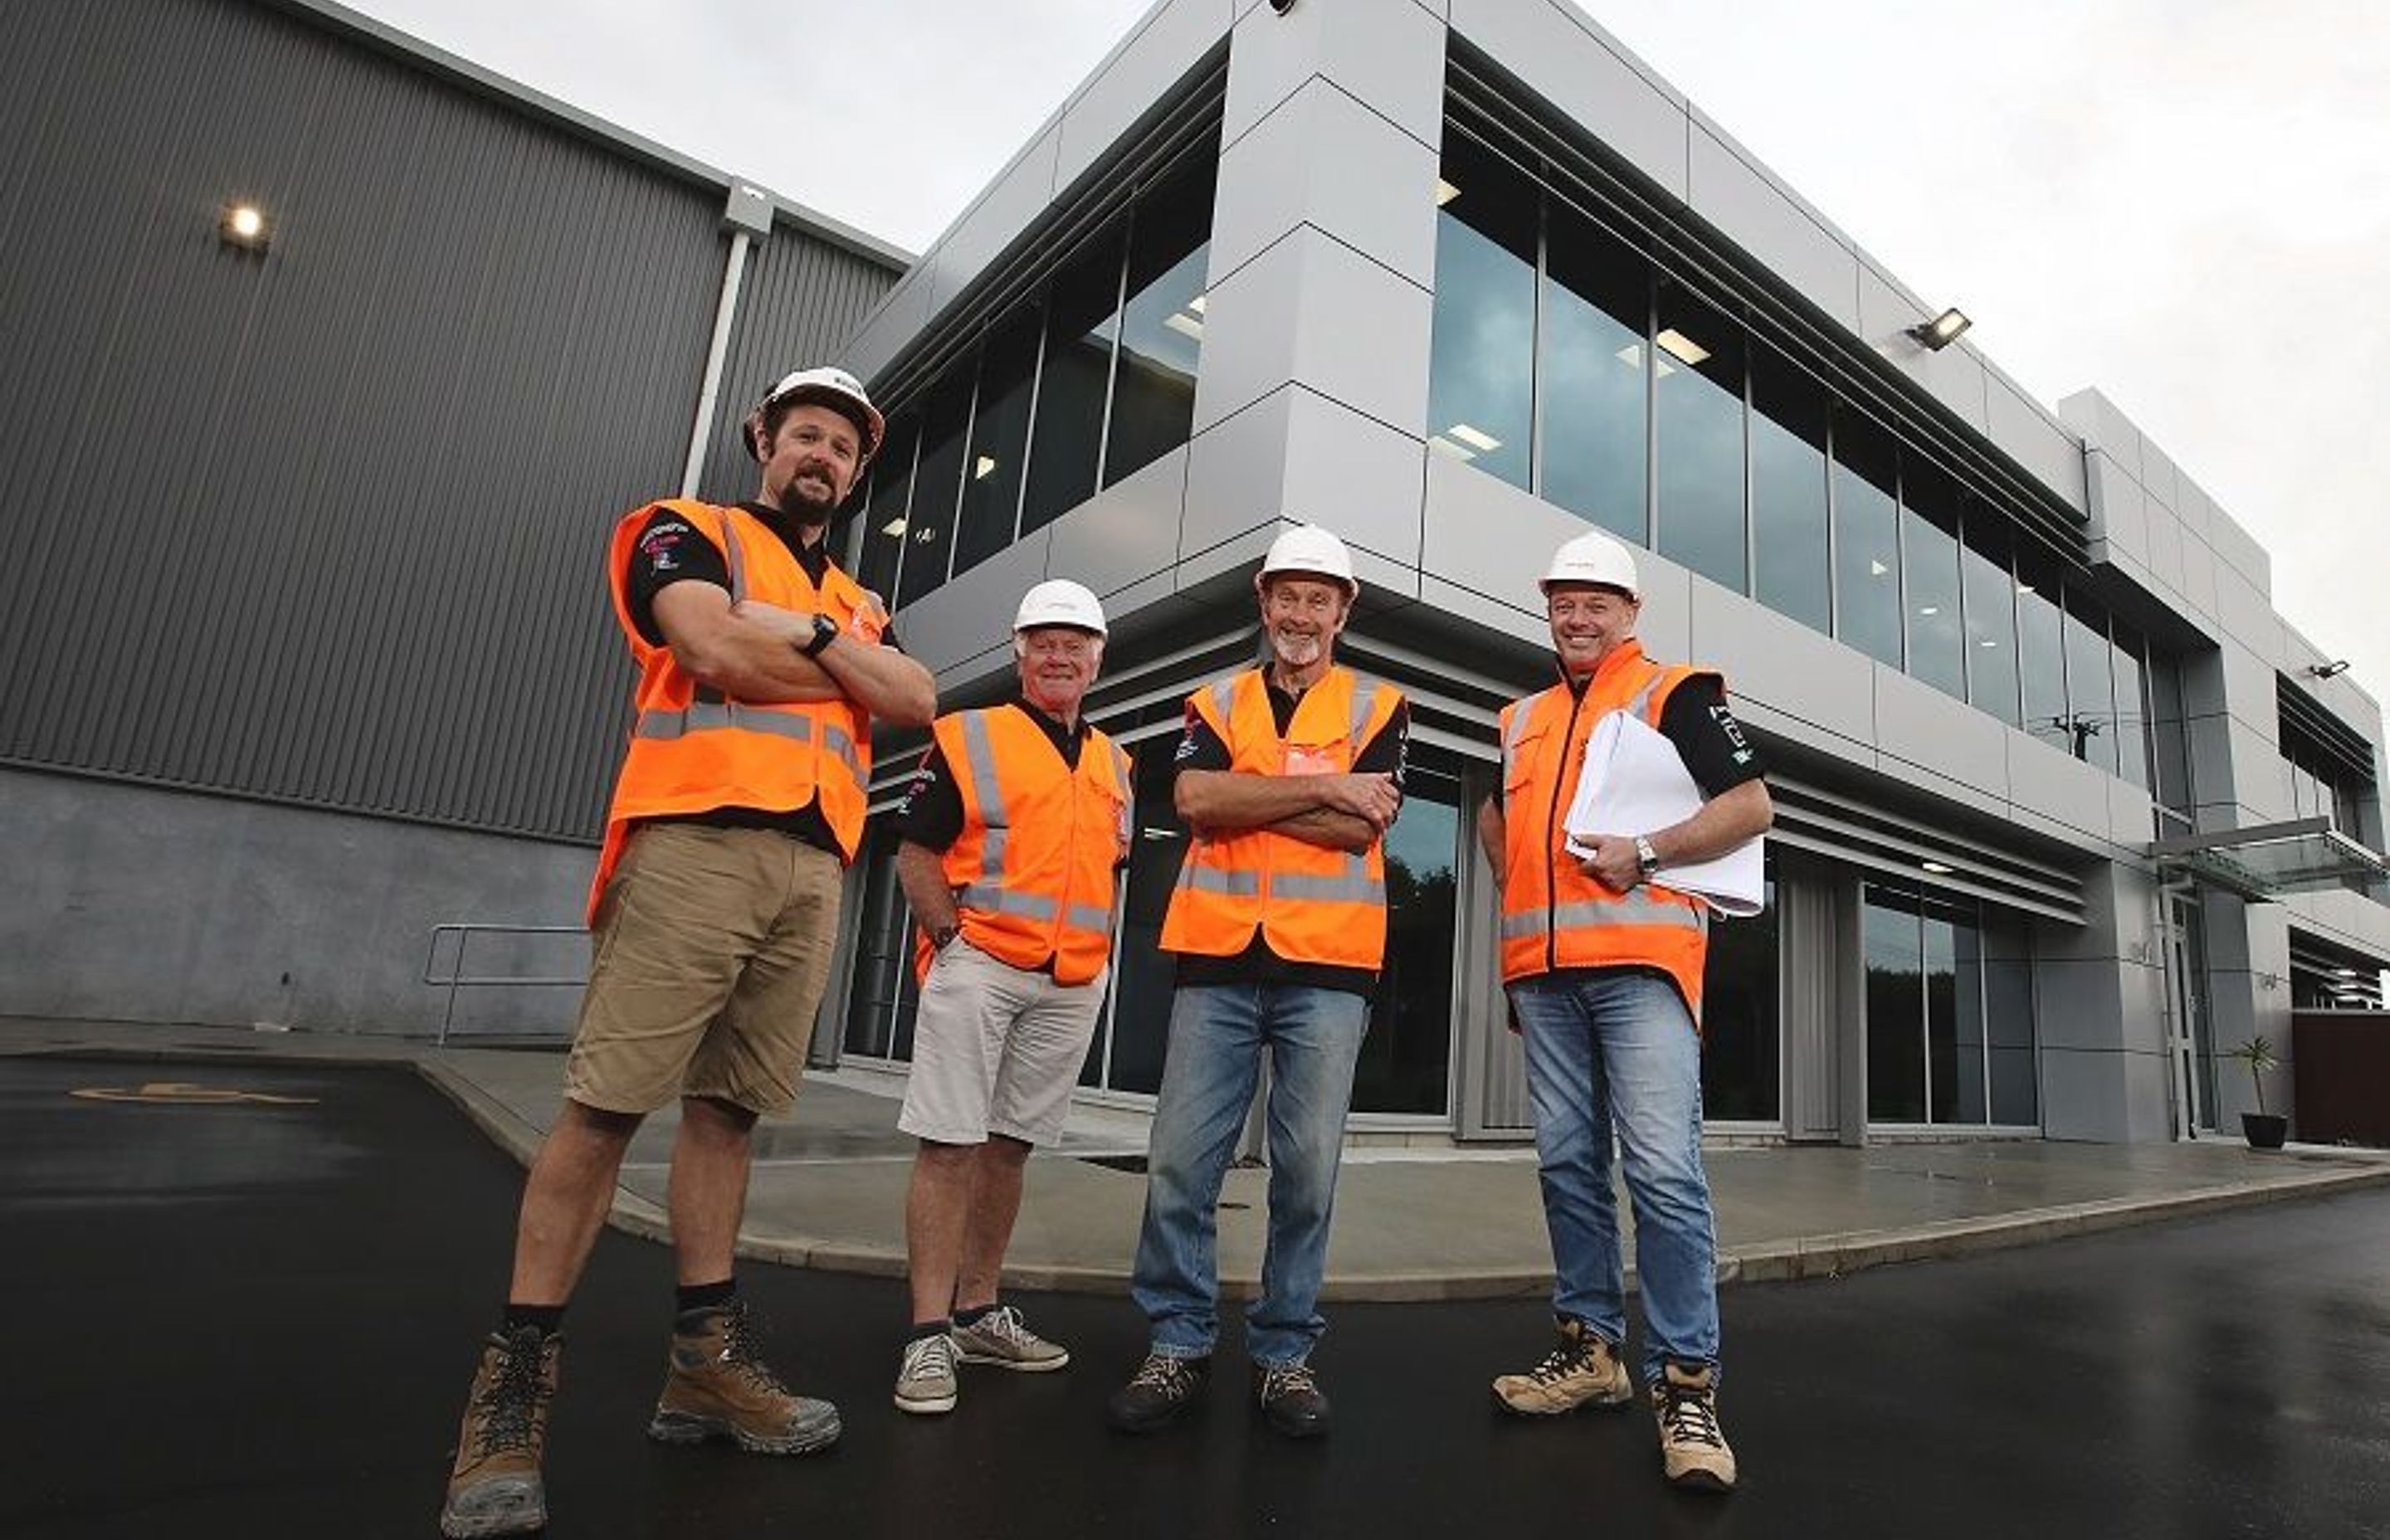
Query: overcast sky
[[2183, 202]]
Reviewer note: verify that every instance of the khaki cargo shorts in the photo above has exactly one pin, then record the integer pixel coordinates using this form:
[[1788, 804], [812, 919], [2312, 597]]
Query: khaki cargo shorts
[[708, 957]]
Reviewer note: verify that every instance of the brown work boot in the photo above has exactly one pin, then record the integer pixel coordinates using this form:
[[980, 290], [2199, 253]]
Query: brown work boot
[[718, 1387], [495, 1486], [1693, 1446], [1583, 1371]]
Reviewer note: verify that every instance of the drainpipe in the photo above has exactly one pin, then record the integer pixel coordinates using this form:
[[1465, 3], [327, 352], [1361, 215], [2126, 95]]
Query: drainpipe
[[748, 217]]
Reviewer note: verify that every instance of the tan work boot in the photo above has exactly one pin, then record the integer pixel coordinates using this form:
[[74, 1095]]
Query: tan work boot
[[718, 1387], [1583, 1371], [1693, 1446], [495, 1486]]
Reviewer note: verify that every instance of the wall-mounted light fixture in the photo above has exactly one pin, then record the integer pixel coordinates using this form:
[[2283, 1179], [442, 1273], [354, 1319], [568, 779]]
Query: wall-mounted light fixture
[[245, 225], [1940, 332], [2325, 671]]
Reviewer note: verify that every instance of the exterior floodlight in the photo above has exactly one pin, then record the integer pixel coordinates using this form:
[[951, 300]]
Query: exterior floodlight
[[2325, 671], [1941, 331], [245, 225]]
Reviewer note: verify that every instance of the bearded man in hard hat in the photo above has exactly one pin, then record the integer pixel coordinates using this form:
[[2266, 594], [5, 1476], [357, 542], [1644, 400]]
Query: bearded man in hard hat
[[761, 666], [1288, 775], [1013, 832], [1602, 961]]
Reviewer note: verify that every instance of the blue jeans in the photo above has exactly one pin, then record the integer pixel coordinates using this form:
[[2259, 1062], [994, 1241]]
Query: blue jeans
[[1613, 1051], [1217, 1032]]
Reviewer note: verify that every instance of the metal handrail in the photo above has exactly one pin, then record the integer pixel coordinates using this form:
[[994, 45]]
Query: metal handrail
[[458, 978]]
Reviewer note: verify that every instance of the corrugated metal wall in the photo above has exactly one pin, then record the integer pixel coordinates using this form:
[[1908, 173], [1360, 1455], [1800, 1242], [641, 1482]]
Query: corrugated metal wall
[[327, 527]]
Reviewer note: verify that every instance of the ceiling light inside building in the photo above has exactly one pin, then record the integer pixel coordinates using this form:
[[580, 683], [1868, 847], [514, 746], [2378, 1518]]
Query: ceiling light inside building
[[982, 466], [1930, 609], [1186, 324], [1682, 346], [1632, 357], [1938, 868], [894, 527], [1196, 305], [1443, 445], [1444, 192], [1475, 438], [1876, 568], [245, 225]]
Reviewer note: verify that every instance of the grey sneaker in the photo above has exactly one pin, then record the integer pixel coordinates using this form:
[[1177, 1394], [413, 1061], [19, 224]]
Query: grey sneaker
[[925, 1383], [1000, 1338]]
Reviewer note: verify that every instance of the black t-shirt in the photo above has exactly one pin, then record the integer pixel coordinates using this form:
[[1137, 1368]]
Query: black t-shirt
[[1701, 725], [932, 813], [1387, 753], [670, 549]]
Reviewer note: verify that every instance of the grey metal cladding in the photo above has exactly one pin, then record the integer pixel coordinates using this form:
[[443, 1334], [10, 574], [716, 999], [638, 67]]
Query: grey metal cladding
[[328, 527]]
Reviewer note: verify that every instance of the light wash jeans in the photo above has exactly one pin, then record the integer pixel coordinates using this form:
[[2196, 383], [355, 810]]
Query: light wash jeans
[[1614, 1050], [1217, 1034]]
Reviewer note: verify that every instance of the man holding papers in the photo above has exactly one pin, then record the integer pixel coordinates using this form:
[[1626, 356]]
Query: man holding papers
[[1602, 959]]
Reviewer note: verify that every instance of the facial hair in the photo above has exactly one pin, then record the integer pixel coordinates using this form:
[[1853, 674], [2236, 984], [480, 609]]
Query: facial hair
[[798, 503], [1295, 650]]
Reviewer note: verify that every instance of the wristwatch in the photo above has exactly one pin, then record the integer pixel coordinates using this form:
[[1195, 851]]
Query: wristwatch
[[1647, 860], [825, 633], [944, 934]]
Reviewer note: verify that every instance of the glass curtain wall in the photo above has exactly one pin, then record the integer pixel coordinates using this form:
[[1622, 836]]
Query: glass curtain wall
[[1742, 1017], [1567, 362], [1949, 1010], [1084, 381]]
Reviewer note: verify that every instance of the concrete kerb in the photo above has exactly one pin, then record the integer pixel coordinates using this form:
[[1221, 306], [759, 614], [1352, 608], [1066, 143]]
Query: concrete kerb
[[1808, 1257]]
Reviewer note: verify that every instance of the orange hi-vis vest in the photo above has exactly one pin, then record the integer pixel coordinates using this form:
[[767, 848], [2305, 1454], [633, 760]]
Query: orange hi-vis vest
[[1033, 869], [691, 750], [1554, 915], [1311, 904]]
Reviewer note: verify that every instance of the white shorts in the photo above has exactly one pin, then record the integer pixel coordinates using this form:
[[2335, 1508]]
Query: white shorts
[[996, 1050]]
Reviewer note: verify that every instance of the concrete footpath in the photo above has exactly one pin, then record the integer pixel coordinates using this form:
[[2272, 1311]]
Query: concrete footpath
[[1411, 1222]]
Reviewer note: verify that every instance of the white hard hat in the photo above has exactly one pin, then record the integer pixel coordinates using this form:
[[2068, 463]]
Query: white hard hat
[[1309, 548], [1593, 558], [1059, 601], [831, 387]]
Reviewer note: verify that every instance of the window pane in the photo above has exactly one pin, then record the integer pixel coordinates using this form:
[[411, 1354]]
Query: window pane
[[930, 527], [1142, 973], [2164, 691], [2132, 711], [1893, 946], [999, 433], [1739, 1020], [2007, 1018], [2090, 686], [1596, 380], [1788, 491], [881, 1003], [1989, 596], [1481, 375], [1940, 987], [1082, 318], [1406, 1059], [1699, 396], [1162, 329], [1929, 557], [884, 518], [1867, 540], [2041, 653]]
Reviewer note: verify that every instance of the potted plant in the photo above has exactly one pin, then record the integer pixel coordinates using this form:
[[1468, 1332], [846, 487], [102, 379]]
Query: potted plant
[[2264, 1130]]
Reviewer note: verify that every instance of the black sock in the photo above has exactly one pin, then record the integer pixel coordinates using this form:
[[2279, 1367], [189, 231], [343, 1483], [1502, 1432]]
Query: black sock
[[972, 1315], [928, 1328], [703, 1296], [550, 1318]]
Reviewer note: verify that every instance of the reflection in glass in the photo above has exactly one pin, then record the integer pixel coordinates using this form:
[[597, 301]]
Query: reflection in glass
[[1930, 556], [1140, 1021], [999, 435], [1788, 491], [1082, 320], [2090, 685], [2041, 653], [1698, 396], [1481, 369], [1740, 1018], [1596, 375], [1967, 1059], [2007, 1016], [1407, 1058], [2132, 712], [1892, 944], [881, 1002], [1867, 538], [1162, 329], [1989, 596], [929, 528], [883, 514]]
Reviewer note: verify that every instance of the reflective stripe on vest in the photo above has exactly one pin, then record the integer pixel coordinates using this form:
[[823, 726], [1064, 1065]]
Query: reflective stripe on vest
[[1637, 908]]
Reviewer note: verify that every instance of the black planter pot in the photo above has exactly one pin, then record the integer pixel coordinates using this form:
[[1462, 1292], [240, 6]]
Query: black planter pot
[[2264, 1130]]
